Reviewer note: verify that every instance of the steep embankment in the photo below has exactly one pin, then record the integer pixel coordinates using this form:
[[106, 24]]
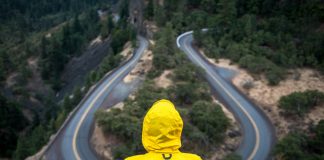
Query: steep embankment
[[78, 68], [103, 144], [267, 97]]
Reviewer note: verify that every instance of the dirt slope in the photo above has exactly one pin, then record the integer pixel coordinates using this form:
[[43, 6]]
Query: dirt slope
[[267, 97]]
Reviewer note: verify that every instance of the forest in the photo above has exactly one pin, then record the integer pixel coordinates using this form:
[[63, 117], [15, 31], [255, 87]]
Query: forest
[[189, 92], [300, 145], [265, 37], [54, 32], [202, 131]]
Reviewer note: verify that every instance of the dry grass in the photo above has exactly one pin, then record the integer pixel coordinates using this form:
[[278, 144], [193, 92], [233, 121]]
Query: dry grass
[[267, 97]]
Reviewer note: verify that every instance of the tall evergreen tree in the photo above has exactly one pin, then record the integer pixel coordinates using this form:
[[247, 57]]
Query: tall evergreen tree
[[227, 12], [110, 24], [149, 11]]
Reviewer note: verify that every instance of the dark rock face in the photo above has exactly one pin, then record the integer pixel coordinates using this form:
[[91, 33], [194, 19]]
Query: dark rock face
[[76, 70], [234, 133], [136, 9]]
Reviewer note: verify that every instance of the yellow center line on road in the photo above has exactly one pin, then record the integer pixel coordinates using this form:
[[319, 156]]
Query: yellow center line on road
[[75, 151], [257, 132]]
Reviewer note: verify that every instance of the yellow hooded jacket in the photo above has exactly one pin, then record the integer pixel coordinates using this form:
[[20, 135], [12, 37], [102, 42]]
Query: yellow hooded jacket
[[161, 134]]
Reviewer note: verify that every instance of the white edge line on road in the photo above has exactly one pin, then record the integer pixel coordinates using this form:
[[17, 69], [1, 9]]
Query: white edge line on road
[[75, 151], [186, 33], [182, 35], [257, 132]]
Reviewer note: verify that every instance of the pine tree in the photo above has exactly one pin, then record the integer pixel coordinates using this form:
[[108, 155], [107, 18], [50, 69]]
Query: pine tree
[[227, 12], [110, 24], [76, 26], [149, 12], [67, 104]]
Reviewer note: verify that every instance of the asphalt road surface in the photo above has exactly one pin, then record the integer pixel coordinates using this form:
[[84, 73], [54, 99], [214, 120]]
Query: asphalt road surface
[[258, 133], [72, 142]]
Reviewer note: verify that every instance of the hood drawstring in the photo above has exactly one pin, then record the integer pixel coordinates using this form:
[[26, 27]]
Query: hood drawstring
[[167, 158]]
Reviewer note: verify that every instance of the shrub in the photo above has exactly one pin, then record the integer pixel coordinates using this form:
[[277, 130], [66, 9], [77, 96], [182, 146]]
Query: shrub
[[233, 156], [210, 119], [301, 102], [290, 147]]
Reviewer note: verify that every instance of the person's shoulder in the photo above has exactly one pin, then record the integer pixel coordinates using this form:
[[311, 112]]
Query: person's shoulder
[[191, 156], [136, 157]]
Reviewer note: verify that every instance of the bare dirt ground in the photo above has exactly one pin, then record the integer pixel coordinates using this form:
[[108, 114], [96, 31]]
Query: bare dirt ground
[[102, 143], [97, 40], [141, 68], [119, 105], [151, 28], [164, 81], [127, 51], [267, 97], [232, 138], [10, 81]]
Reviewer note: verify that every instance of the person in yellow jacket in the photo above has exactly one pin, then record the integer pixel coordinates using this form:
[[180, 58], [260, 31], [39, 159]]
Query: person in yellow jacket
[[161, 134]]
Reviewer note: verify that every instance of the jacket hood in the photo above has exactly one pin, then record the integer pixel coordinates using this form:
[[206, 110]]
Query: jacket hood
[[162, 128]]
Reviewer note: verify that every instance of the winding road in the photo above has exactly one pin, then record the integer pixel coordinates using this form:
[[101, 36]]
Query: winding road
[[72, 140], [258, 133]]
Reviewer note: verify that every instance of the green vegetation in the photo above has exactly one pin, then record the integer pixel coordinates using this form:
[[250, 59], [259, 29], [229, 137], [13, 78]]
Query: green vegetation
[[42, 128], [149, 10], [259, 65], [106, 28], [68, 42], [164, 51], [300, 103], [120, 36], [54, 33], [5, 64], [277, 35], [301, 146], [189, 93], [57, 50], [203, 115], [23, 23], [233, 156], [126, 124], [32, 142], [267, 36], [307, 144], [12, 122], [37, 136]]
